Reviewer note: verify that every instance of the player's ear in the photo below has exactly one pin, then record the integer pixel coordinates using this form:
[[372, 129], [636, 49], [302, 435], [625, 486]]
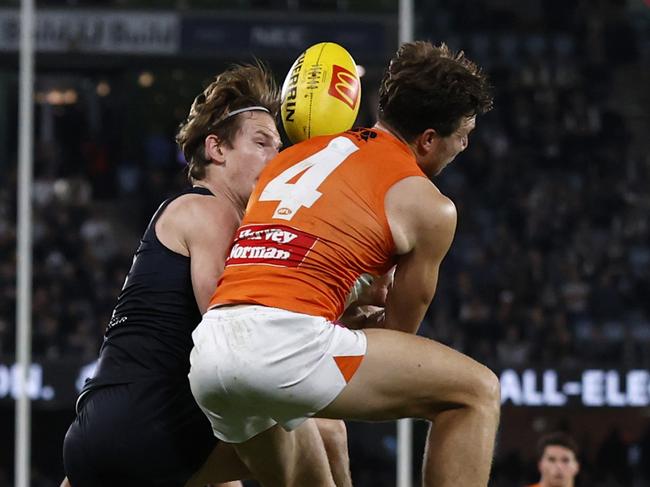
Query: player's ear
[[213, 150], [428, 140]]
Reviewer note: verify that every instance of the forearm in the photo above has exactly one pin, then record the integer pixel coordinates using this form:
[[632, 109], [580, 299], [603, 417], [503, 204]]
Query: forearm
[[360, 317]]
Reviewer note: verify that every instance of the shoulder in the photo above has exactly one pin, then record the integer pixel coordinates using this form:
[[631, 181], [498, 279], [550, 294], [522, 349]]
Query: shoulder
[[418, 197], [190, 209], [418, 212], [194, 217]]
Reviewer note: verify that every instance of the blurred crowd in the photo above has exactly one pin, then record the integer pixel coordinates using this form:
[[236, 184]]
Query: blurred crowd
[[78, 268], [551, 261]]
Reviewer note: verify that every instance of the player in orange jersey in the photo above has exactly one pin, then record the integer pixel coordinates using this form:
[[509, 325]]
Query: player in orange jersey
[[269, 354], [557, 456]]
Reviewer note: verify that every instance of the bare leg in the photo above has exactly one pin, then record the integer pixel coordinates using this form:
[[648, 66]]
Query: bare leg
[[65, 483], [335, 439], [278, 458], [447, 433], [404, 375], [223, 465]]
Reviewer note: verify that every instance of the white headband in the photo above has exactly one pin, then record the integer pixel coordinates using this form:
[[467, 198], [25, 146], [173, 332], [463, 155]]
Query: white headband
[[247, 109]]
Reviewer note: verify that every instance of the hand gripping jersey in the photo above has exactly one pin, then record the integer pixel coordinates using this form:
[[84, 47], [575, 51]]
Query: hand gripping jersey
[[315, 223]]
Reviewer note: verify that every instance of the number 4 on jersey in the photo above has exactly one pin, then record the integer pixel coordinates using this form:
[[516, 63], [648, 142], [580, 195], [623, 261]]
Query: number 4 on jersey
[[310, 173]]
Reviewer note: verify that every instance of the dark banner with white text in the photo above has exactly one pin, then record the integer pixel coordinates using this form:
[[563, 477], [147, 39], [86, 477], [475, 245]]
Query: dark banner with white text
[[55, 384]]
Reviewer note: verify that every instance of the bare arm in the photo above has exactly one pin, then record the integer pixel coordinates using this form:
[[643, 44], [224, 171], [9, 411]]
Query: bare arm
[[200, 227], [209, 240], [423, 222]]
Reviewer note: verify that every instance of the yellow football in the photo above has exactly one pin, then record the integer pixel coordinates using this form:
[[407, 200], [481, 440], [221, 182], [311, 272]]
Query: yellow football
[[321, 93]]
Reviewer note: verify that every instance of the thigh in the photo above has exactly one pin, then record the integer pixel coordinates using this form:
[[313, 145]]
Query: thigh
[[404, 375], [149, 433], [98, 439], [169, 435], [281, 458], [78, 467], [223, 465]]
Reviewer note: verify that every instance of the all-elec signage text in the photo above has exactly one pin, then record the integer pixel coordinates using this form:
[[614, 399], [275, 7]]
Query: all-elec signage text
[[590, 388]]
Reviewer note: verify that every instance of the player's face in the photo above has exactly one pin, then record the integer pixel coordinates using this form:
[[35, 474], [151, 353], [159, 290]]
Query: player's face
[[447, 148], [558, 466], [254, 145]]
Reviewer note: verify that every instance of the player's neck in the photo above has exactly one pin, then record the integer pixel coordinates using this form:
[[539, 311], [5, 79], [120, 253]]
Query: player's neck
[[224, 192], [203, 183], [384, 127]]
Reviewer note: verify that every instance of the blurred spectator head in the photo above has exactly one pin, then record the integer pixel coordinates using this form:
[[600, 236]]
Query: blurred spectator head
[[557, 460]]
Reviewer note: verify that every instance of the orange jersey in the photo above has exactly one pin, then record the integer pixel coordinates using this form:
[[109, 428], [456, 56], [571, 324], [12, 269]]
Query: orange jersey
[[315, 222]]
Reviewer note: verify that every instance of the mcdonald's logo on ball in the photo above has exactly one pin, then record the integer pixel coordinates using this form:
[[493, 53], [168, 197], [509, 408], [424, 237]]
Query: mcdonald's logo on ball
[[344, 86]]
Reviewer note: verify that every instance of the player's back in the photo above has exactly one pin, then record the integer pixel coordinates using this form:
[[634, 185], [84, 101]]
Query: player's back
[[149, 334], [316, 222], [137, 423]]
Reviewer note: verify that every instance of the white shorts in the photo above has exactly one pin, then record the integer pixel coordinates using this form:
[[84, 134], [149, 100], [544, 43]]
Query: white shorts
[[253, 367]]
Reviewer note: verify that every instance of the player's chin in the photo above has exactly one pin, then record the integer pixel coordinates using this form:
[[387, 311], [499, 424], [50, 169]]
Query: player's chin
[[441, 168], [449, 161]]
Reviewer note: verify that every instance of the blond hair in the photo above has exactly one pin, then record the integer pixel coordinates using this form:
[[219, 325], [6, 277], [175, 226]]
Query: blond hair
[[240, 86]]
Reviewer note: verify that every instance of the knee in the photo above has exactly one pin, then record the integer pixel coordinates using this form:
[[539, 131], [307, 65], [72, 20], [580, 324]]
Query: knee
[[487, 392], [334, 434]]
